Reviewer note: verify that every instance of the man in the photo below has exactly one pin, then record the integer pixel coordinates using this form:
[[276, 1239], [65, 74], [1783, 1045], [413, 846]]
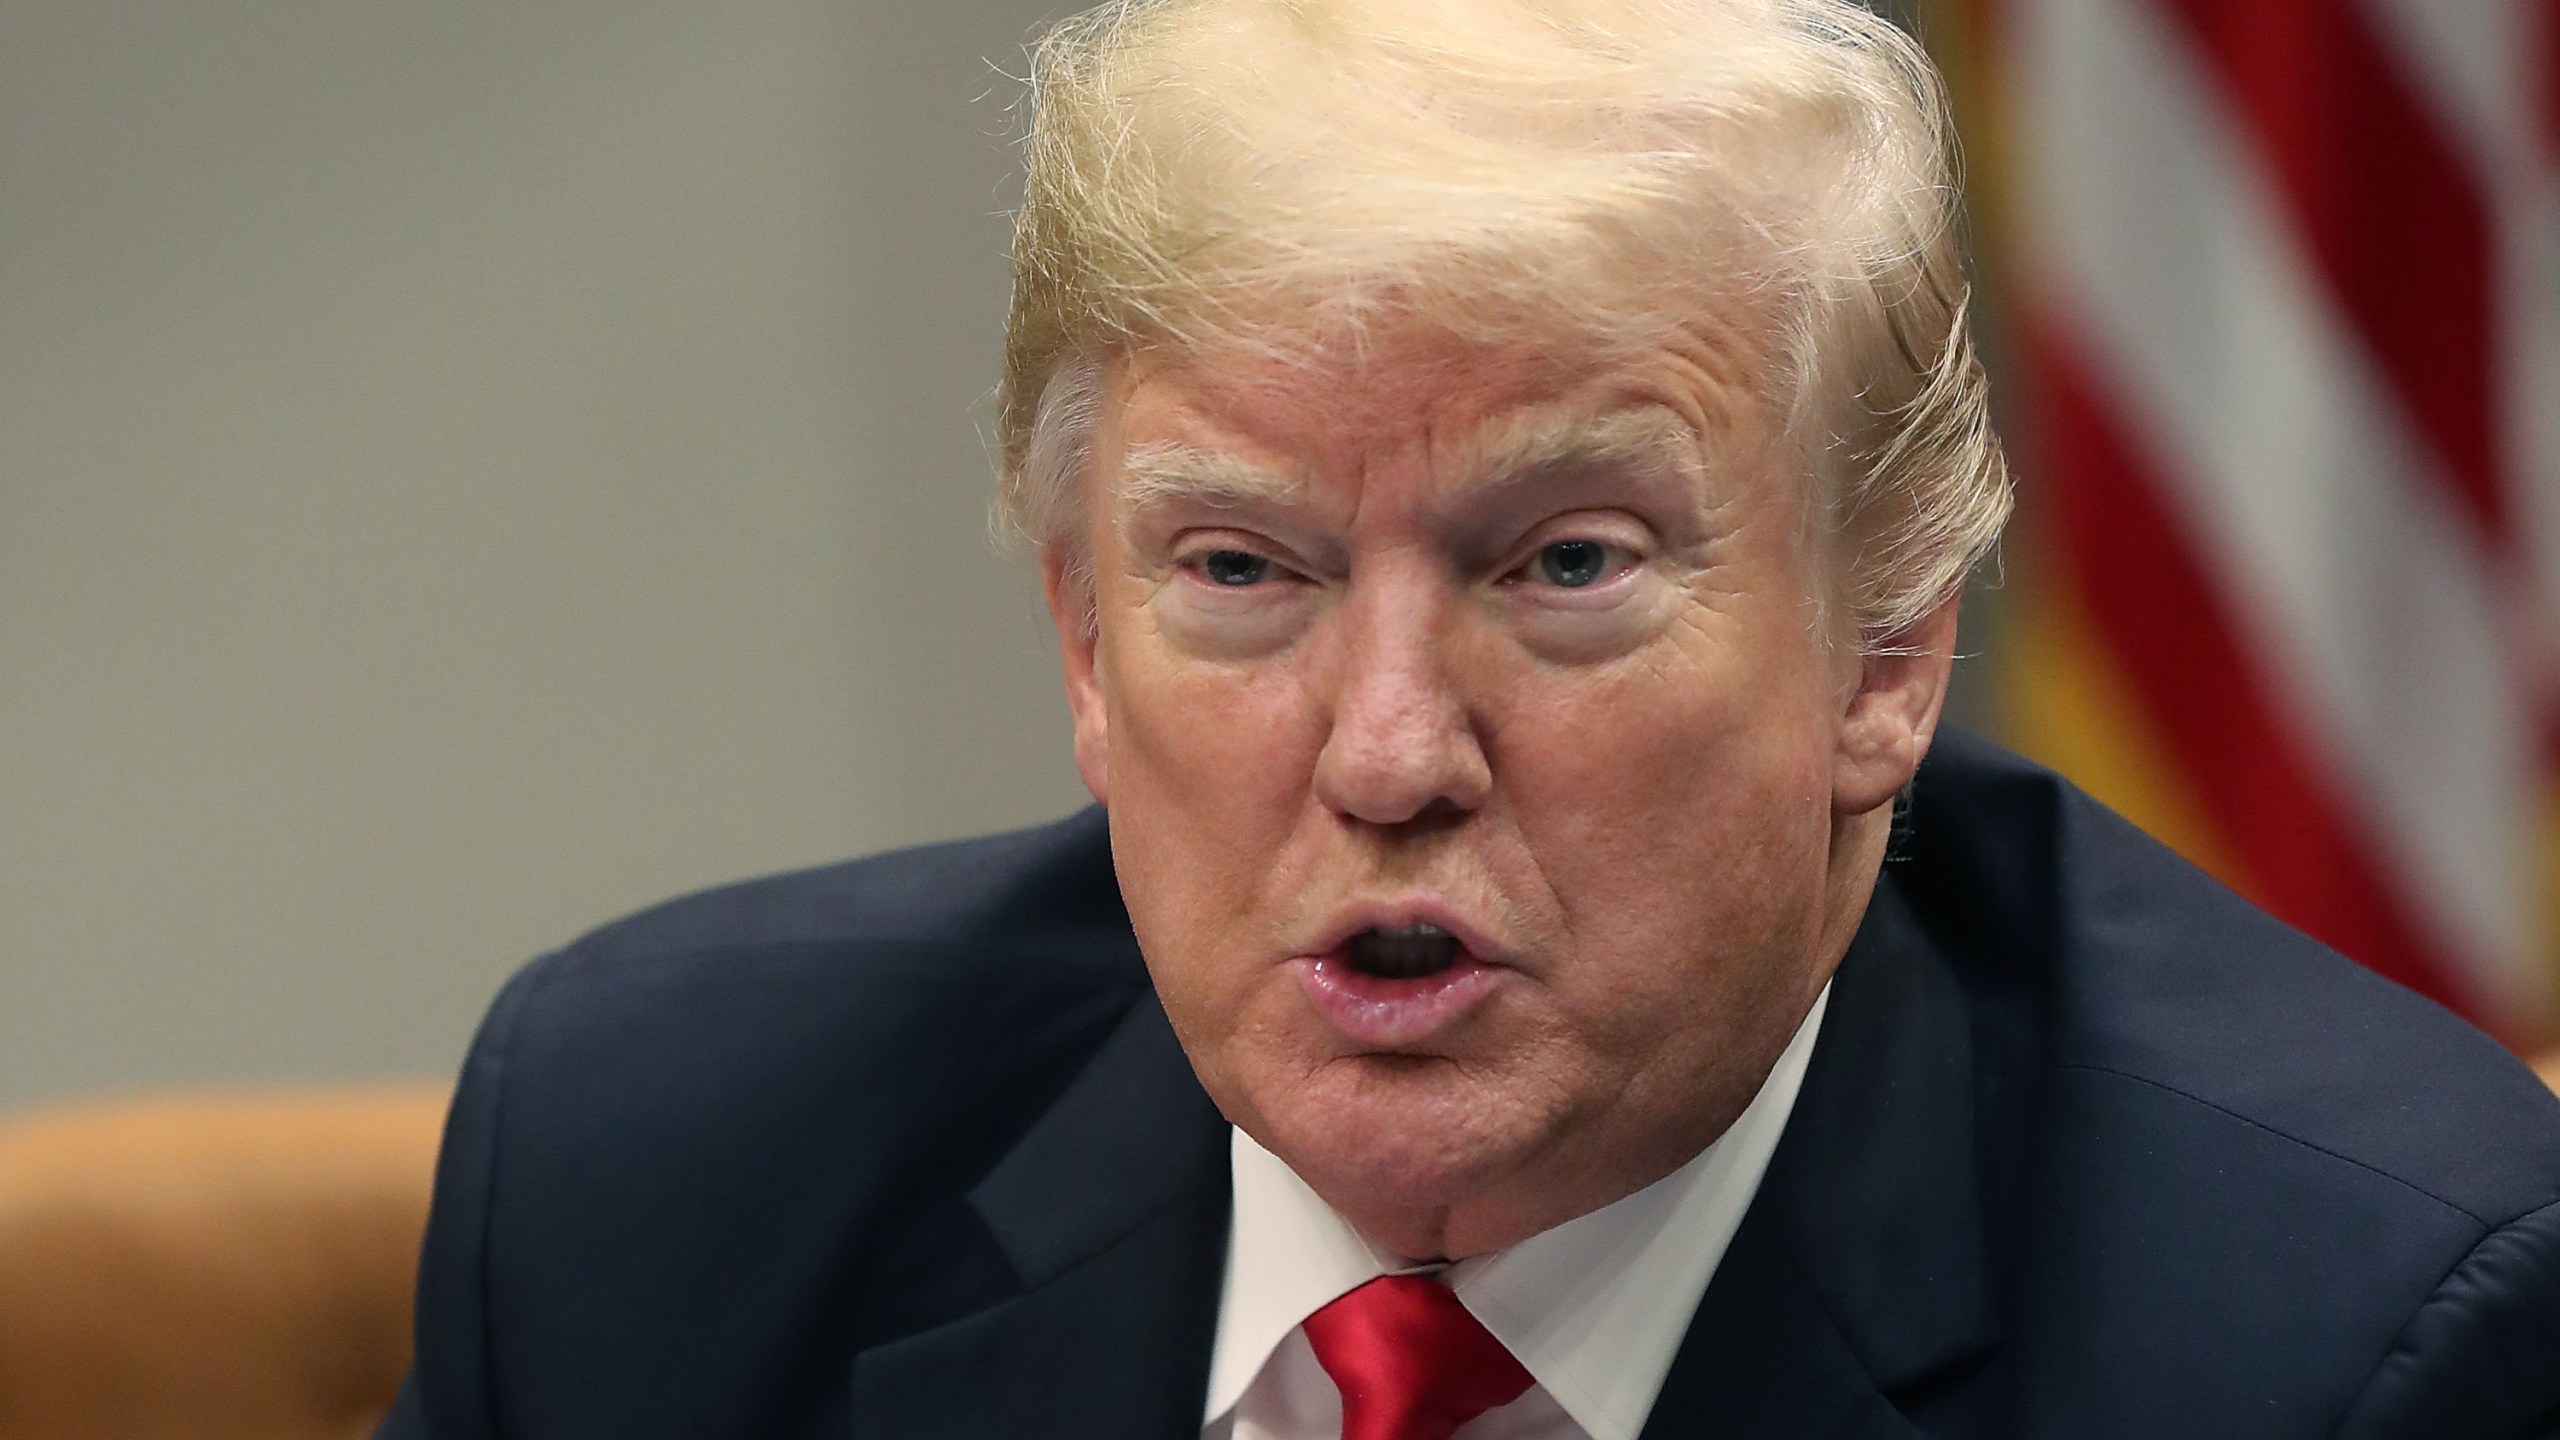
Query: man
[[1502, 474]]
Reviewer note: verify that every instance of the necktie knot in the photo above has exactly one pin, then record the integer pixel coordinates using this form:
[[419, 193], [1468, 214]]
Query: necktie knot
[[1411, 1363]]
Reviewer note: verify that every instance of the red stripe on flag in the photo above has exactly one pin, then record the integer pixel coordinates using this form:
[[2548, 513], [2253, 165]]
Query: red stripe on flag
[[2547, 91], [2388, 207], [2165, 620]]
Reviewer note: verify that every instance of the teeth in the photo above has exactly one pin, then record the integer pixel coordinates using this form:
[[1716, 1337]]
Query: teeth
[[1403, 952]]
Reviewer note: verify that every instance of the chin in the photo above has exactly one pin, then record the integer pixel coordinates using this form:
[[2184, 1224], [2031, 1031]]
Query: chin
[[1383, 1136]]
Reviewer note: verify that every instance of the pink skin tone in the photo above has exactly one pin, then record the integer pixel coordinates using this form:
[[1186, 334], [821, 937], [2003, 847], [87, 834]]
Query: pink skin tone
[[1581, 717]]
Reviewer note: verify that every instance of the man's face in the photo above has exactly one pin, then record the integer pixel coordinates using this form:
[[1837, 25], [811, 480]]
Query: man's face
[[1487, 798]]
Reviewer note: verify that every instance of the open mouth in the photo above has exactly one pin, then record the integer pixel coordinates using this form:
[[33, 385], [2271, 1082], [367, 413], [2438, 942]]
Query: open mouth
[[1402, 952], [1393, 987]]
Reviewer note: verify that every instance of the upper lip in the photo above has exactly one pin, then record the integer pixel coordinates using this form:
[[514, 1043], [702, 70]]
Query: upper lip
[[1415, 910]]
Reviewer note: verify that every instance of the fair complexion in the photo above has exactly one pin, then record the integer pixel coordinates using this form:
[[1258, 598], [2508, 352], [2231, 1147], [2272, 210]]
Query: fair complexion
[[1520, 656]]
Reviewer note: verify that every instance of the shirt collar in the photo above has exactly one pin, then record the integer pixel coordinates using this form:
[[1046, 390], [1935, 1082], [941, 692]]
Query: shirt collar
[[1593, 1308]]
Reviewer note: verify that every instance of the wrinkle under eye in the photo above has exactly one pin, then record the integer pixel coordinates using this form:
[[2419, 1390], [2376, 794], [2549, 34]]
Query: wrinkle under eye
[[1234, 567]]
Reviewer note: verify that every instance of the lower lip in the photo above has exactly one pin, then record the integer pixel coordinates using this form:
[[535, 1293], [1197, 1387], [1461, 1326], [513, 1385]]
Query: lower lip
[[1389, 1014]]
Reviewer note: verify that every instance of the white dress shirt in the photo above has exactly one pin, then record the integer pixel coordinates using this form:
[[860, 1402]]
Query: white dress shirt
[[1593, 1308]]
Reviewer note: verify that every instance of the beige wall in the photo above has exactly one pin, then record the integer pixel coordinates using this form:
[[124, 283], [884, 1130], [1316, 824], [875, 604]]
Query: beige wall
[[467, 470]]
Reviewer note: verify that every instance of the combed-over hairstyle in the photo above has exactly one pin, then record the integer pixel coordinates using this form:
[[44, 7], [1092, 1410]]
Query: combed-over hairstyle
[[1273, 173]]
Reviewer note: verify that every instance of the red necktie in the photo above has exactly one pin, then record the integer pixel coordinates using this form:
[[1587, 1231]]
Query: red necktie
[[1411, 1363]]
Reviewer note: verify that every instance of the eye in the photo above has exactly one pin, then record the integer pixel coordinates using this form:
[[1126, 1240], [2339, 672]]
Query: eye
[[1573, 564], [1234, 568]]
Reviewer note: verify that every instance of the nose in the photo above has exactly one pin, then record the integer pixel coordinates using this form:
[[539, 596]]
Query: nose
[[1403, 745]]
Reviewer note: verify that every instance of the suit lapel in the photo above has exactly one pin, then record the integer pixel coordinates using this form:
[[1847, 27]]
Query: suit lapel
[[1856, 1284], [1113, 1213]]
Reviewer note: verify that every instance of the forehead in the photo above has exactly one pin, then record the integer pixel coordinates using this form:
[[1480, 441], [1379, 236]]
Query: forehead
[[1454, 407]]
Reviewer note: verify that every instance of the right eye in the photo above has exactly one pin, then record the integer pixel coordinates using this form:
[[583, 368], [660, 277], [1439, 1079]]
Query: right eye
[[1233, 568]]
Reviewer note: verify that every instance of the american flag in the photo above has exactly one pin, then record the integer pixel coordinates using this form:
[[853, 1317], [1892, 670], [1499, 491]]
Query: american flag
[[2280, 282]]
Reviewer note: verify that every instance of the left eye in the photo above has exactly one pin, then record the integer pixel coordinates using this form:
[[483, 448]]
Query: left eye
[[1573, 564]]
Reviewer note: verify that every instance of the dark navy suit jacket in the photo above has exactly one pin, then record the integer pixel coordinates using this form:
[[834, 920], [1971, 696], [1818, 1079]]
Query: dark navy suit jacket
[[905, 1148]]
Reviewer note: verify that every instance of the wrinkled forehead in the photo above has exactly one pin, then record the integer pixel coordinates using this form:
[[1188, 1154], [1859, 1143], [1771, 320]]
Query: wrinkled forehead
[[1251, 421]]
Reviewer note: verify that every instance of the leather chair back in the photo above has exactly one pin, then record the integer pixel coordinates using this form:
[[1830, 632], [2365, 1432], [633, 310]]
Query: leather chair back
[[211, 1267]]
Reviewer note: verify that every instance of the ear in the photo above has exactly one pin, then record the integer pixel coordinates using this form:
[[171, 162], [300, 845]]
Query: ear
[[1886, 724], [1068, 585]]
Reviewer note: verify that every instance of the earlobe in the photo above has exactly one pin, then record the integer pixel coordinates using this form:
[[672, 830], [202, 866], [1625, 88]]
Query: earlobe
[[1891, 715], [1068, 586]]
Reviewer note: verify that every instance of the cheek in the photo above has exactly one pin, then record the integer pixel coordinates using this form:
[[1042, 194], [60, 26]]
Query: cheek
[[1679, 804], [1207, 748], [1209, 770]]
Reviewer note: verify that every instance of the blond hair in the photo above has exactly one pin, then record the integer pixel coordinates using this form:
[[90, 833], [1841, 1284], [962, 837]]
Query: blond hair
[[1266, 173]]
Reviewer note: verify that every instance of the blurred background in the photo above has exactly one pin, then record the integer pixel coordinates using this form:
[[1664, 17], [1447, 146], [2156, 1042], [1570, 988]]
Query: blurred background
[[470, 470]]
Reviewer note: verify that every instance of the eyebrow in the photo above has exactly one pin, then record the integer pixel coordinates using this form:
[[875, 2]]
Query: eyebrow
[[1531, 448], [1166, 470]]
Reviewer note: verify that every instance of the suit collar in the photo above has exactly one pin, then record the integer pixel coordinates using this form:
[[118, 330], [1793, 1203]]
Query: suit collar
[[1112, 1211], [1858, 1278]]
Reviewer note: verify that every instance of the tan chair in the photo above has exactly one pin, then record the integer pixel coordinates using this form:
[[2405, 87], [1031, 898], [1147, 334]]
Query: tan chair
[[211, 1267]]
